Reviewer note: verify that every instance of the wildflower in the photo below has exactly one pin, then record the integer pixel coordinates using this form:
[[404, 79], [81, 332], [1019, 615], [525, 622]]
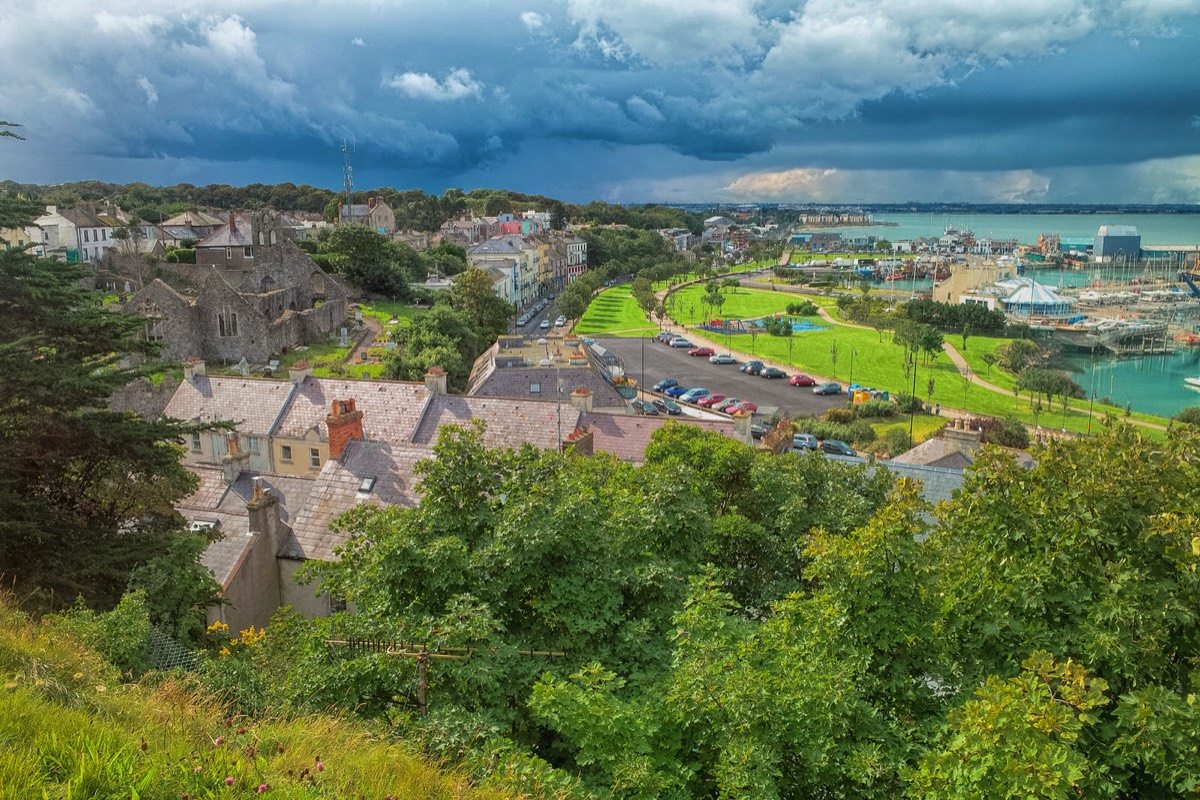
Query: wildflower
[[241, 730], [229, 781], [144, 745], [262, 788], [278, 748], [320, 767], [220, 740], [199, 770]]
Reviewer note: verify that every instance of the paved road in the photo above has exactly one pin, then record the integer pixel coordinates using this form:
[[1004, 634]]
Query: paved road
[[670, 362]]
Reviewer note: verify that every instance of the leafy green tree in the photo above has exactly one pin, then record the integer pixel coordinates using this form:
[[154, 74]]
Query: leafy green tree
[[989, 359], [1021, 737], [370, 261], [474, 293], [440, 337]]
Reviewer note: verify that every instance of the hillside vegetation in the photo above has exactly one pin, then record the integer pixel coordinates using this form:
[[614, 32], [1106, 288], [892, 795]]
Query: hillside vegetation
[[71, 728]]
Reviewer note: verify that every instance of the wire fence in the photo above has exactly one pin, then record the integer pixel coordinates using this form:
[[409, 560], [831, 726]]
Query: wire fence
[[167, 653]]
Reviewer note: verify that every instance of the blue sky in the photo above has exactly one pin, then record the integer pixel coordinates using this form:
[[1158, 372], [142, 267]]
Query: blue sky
[[620, 100]]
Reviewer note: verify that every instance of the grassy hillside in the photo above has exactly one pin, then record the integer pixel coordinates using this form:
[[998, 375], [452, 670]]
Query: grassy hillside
[[70, 728]]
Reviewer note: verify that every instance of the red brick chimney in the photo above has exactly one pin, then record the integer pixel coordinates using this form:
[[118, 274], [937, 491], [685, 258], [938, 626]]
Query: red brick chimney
[[371, 201], [345, 424], [578, 441]]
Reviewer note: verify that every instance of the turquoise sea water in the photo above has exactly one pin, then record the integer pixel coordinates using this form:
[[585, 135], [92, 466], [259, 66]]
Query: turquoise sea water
[[1155, 229], [1151, 384]]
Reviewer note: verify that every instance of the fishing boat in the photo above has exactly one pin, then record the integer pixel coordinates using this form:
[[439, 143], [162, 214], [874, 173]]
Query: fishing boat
[[1193, 380]]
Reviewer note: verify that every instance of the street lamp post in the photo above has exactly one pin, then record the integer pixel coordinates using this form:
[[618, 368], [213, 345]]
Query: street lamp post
[[853, 353]]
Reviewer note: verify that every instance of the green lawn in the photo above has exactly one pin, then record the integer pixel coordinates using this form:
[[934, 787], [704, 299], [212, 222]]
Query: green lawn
[[739, 304], [881, 365], [614, 312]]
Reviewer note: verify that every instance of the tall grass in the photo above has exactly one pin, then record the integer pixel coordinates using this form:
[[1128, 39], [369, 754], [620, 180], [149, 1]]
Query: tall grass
[[70, 728]]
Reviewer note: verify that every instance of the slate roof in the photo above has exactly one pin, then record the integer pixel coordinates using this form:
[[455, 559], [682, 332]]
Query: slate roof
[[937, 483], [391, 409], [510, 423], [253, 404], [514, 382], [242, 234], [215, 500], [626, 436], [338, 488], [193, 217]]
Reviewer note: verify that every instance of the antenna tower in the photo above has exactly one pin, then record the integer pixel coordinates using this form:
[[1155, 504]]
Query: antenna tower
[[347, 170]]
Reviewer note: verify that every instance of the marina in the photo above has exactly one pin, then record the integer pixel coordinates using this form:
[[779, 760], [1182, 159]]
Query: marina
[[1124, 319]]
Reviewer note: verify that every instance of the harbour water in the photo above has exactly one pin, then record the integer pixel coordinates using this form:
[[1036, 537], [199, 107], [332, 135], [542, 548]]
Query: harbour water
[[1155, 229], [1150, 384]]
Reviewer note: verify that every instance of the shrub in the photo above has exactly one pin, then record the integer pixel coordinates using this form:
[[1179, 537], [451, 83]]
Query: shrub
[[1002, 432], [842, 416], [1189, 416], [877, 408], [857, 432], [897, 440], [909, 404]]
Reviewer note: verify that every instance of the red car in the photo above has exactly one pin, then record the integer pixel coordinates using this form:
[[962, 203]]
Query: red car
[[700, 351], [801, 380], [710, 401], [745, 405]]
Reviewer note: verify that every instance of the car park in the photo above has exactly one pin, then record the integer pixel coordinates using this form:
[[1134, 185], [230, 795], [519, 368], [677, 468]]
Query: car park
[[675, 391], [772, 372], [752, 367], [672, 407], [722, 358], [837, 448], [700, 351], [664, 384], [800, 379], [679, 341], [711, 400], [692, 395], [804, 441], [827, 388]]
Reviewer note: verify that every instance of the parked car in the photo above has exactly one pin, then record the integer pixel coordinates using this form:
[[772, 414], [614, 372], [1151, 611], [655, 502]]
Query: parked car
[[800, 379], [664, 384], [663, 336], [545, 325], [675, 391], [759, 431], [638, 406], [837, 448], [692, 395], [827, 388], [672, 407], [710, 401], [722, 358], [649, 409], [772, 372], [726, 403], [660, 404], [745, 405], [752, 367], [804, 441], [679, 341], [700, 351], [558, 323]]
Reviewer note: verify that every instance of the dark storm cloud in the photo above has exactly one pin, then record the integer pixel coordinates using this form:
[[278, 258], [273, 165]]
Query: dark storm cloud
[[622, 99]]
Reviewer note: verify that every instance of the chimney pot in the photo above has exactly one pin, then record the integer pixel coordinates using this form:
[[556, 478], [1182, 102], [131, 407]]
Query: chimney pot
[[435, 381], [582, 399], [299, 371]]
